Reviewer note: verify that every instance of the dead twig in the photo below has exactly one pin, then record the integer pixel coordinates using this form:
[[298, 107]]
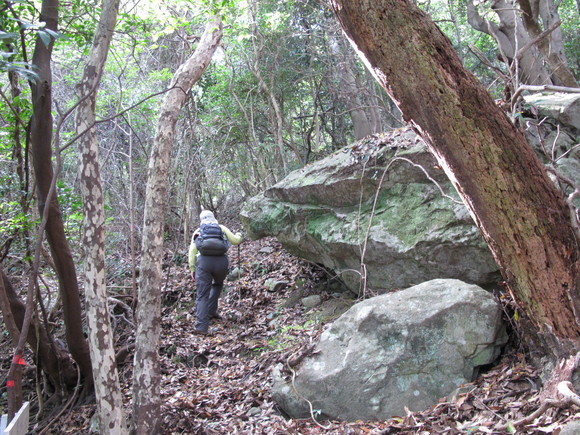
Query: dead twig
[[296, 358]]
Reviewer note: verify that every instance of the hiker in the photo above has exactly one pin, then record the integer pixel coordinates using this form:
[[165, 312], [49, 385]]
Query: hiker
[[209, 265]]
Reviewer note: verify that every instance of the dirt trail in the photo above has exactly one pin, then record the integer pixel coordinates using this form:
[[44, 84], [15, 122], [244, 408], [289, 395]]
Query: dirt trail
[[221, 384]]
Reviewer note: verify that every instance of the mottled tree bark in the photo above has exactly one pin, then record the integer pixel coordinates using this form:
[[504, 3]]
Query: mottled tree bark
[[41, 147], [146, 377], [520, 213], [105, 375]]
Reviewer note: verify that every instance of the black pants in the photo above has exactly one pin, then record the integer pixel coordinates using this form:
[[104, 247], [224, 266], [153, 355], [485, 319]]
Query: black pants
[[210, 273]]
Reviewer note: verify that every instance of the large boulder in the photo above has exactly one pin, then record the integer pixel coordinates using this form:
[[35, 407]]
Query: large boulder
[[405, 349], [381, 196], [554, 133], [562, 107]]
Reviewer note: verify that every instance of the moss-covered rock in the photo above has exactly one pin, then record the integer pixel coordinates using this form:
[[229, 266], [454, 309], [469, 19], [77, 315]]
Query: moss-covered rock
[[334, 210]]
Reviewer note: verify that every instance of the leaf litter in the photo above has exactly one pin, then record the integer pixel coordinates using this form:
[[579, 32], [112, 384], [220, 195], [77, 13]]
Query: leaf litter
[[221, 384]]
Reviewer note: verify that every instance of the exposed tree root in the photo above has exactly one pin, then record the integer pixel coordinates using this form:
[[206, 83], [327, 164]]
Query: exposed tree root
[[558, 392]]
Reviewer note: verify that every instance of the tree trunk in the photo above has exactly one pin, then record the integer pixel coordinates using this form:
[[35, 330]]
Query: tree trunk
[[349, 87], [41, 147], [13, 384], [511, 35], [105, 375], [520, 213], [7, 310], [552, 45], [535, 60], [53, 360], [146, 380]]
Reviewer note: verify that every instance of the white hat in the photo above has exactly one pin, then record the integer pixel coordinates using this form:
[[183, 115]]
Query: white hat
[[207, 217]]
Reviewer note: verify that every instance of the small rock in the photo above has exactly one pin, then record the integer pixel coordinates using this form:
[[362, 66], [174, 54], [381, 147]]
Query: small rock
[[292, 299], [311, 301], [274, 285], [266, 250], [254, 411], [236, 274]]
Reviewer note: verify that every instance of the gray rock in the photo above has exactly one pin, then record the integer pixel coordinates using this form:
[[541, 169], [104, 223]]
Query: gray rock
[[312, 301], [401, 349], [572, 428], [293, 298], [254, 411], [236, 273], [563, 107], [274, 285], [569, 168], [549, 141], [322, 213]]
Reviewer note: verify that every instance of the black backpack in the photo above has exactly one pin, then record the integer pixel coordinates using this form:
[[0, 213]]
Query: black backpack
[[211, 240]]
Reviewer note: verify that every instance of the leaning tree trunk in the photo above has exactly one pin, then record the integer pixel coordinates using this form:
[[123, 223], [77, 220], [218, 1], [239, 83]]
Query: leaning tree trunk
[[146, 378], [105, 375], [41, 147], [520, 213]]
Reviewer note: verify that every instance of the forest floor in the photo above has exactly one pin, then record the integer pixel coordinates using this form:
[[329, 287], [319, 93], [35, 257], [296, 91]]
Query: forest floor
[[221, 384]]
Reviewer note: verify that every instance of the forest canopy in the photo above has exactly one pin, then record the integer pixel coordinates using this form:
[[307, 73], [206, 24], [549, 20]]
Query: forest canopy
[[291, 56]]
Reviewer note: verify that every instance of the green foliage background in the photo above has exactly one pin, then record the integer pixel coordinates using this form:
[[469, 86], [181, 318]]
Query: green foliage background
[[228, 145]]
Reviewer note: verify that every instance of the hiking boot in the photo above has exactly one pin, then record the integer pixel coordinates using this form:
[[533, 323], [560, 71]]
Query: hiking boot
[[208, 333]]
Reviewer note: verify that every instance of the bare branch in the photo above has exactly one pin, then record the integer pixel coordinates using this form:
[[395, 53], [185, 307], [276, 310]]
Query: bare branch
[[534, 41]]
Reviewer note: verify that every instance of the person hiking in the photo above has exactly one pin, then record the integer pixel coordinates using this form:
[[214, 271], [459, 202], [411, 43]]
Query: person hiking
[[209, 265]]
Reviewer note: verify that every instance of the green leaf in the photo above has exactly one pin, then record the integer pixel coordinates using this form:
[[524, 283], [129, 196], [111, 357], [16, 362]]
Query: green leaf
[[5, 35], [54, 34], [25, 25], [45, 36]]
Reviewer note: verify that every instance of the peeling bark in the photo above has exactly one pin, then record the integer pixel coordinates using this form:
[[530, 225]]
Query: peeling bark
[[520, 213], [146, 378], [105, 375]]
